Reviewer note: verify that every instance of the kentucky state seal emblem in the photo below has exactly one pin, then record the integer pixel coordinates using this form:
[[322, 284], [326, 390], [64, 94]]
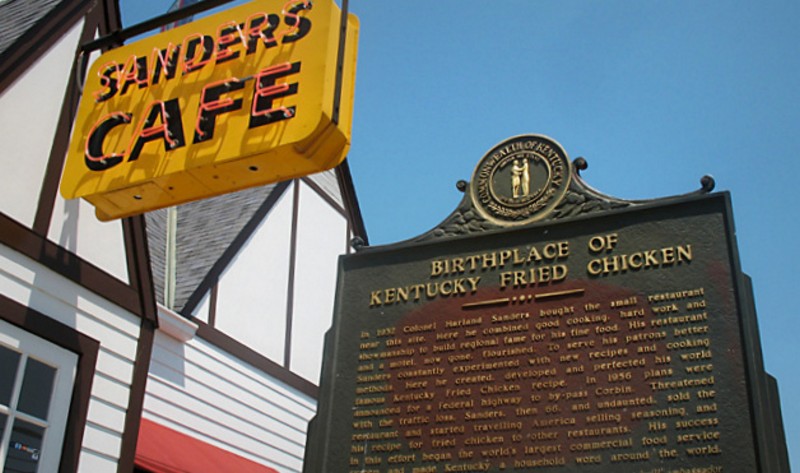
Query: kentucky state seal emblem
[[521, 180]]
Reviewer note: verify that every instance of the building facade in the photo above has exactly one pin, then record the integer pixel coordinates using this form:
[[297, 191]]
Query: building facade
[[190, 336]]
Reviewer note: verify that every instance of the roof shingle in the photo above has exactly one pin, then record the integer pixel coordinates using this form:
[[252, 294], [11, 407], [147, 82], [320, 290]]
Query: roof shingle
[[18, 16]]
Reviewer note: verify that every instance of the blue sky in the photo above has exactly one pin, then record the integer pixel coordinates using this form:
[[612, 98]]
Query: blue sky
[[653, 93]]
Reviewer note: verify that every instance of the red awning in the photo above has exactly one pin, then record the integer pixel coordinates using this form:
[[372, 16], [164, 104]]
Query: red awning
[[163, 450]]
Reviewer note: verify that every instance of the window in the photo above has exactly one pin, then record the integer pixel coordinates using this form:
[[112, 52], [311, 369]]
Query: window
[[36, 379]]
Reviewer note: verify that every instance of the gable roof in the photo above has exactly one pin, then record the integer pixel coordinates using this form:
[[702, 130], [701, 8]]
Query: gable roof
[[211, 232], [29, 27], [206, 230], [18, 16]]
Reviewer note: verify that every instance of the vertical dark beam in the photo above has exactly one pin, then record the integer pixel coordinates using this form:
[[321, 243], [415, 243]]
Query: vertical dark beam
[[346, 187], [79, 406], [348, 248], [138, 257], [58, 151], [212, 305], [112, 20], [287, 350], [46, 328], [133, 417], [140, 279], [136, 244]]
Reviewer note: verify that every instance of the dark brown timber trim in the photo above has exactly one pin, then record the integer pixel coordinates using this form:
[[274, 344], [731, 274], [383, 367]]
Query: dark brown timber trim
[[58, 152], [142, 280], [38, 39], [351, 201], [139, 272], [325, 196], [112, 20], [118, 37], [222, 263], [248, 355], [133, 417], [67, 264], [212, 305]]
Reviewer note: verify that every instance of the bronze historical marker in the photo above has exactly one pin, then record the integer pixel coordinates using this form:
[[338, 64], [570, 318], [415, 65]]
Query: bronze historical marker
[[546, 327]]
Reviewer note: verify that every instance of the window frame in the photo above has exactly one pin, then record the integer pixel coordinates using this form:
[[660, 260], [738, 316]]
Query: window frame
[[87, 348], [65, 363]]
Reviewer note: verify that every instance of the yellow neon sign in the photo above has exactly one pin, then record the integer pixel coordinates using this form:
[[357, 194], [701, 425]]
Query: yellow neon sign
[[238, 99]]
